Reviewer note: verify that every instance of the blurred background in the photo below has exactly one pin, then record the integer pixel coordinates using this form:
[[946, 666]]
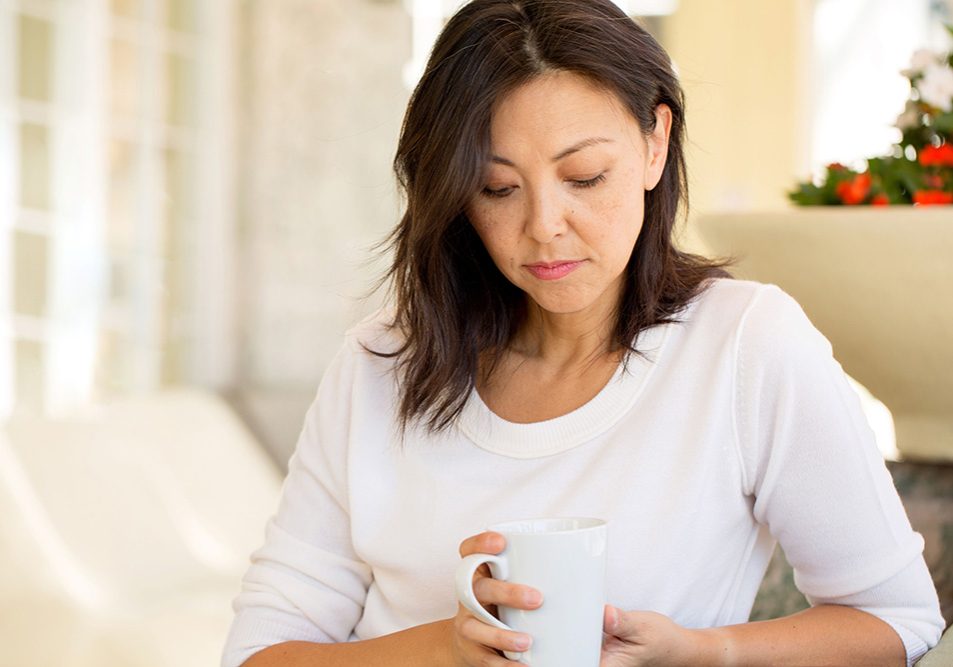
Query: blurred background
[[189, 195]]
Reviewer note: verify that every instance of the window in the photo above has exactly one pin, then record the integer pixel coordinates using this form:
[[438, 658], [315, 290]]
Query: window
[[113, 136], [860, 46]]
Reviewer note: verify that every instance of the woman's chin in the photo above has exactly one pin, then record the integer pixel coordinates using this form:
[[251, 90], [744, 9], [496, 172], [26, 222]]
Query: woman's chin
[[565, 304]]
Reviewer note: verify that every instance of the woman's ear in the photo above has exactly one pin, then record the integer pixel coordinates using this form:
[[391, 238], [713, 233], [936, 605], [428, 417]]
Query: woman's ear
[[657, 146]]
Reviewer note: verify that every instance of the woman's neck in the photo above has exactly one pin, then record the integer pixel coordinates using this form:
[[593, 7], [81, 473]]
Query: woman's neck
[[556, 363], [566, 341]]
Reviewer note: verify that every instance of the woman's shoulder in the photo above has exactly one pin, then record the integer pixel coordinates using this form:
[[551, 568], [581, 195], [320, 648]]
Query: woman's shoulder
[[736, 300], [759, 313], [376, 334], [368, 351], [731, 293], [761, 317]]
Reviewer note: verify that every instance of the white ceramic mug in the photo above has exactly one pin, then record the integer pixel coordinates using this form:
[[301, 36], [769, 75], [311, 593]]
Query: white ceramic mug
[[565, 560]]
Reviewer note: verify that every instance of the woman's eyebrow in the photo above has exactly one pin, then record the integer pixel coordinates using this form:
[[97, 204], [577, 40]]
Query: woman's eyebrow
[[585, 143]]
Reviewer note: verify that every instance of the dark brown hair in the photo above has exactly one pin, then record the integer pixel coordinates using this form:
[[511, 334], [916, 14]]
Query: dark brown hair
[[453, 306]]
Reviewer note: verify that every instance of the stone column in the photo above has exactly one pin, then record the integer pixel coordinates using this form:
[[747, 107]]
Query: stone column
[[323, 102]]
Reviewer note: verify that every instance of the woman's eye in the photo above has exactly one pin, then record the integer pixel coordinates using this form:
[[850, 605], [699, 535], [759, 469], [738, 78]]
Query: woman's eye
[[505, 191], [590, 182], [501, 192]]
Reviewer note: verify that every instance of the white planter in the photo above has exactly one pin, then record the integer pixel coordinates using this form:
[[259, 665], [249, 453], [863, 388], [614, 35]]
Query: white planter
[[878, 282]]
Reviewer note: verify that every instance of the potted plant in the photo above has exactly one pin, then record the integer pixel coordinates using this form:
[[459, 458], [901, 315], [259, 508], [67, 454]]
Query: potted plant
[[919, 170]]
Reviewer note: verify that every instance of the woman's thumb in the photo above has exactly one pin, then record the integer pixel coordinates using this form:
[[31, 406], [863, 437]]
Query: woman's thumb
[[611, 619]]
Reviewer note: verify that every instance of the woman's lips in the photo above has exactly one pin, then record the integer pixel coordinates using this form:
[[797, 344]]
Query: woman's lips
[[554, 270]]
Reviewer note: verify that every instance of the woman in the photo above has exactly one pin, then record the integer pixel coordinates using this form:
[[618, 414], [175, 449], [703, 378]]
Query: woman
[[549, 352]]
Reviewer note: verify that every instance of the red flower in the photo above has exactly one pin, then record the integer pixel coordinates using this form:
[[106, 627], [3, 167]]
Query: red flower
[[936, 156], [854, 191], [880, 200], [934, 181], [932, 197]]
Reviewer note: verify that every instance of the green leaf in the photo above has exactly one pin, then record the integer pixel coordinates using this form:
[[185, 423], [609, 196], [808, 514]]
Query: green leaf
[[809, 194], [916, 136], [944, 122]]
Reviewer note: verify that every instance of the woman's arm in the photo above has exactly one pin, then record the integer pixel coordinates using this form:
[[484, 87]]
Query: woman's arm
[[824, 635], [456, 642], [810, 464], [420, 646], [306, 582], [820, 636]]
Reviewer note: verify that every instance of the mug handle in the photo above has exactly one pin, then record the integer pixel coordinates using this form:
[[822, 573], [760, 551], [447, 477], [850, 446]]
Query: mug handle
[[464, 580]]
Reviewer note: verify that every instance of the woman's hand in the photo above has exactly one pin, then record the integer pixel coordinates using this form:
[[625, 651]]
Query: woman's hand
[[474, 642], [642, 638]]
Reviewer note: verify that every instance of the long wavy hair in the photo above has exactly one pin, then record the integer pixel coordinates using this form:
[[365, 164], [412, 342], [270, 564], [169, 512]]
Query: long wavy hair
[[453, 307]]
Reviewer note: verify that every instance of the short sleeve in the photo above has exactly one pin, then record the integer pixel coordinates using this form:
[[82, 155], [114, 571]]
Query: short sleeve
[[818, 481], [306, 582]]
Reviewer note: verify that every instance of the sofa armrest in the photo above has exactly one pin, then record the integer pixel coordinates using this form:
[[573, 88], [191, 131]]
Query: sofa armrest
[[942, 653]]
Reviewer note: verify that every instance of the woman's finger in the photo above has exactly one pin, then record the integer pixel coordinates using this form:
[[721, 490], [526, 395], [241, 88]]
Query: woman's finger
[[484, 543], [491, 591], [484, 657], [474, 630]]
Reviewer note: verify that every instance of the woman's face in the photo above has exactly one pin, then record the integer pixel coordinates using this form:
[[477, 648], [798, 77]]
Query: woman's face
[[564, 191]]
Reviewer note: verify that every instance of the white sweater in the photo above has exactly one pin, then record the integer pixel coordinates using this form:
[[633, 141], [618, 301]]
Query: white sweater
[[739, 430]]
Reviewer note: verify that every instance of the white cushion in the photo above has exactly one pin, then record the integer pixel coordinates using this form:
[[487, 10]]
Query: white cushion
[[126, 529]]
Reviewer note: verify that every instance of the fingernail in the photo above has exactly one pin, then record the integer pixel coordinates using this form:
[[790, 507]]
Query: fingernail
[[532, 597], [522, 643]]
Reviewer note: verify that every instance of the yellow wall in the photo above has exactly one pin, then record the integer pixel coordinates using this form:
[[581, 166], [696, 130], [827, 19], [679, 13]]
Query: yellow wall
[[744, 65]]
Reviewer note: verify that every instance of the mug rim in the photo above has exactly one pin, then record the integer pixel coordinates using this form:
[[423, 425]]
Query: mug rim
[[588, 523]]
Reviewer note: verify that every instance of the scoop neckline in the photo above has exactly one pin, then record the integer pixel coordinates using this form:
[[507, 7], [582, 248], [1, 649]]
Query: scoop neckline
[[492, 433]]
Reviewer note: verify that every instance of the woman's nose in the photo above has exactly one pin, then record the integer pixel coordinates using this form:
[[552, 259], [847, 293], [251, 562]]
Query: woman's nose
[[545, 217]]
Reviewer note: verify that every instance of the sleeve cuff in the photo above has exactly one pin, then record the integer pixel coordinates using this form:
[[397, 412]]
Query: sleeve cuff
[[254, 630], [912, 643]]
